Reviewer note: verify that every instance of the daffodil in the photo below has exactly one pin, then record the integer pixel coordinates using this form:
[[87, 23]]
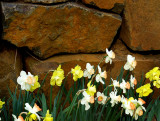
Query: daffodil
[[86, 100], [101, 75], [91, 90], [48, 117], [144, 90], [157, 83], [57, 77], [115, 83], [114, 98], [110, 56], [124, 85], [1, 104], [77, 73], [35, 85], [33, 111], [26, 80], [101, 98], [20, 118], [131, 63], [153, 75], [89, 70], [133, 81]]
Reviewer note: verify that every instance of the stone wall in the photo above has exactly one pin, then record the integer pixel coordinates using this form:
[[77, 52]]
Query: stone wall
[[38, 35]]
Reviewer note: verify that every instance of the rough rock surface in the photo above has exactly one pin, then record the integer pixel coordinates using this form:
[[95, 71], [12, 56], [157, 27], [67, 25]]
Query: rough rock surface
[[114, 5], [45, 1], [140, 26], [65, 28], [10, 67]]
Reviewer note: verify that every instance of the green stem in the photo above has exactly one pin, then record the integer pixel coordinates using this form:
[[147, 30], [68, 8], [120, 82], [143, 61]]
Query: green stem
[[51, 98]]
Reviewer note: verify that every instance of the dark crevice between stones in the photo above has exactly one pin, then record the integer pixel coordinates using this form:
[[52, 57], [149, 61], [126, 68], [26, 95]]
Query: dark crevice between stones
[[30, 53], [153, 52], [1, 26], [97, 8], [115, 38]]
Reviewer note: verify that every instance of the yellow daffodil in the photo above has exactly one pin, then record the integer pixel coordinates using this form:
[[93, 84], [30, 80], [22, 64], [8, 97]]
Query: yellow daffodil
[[144, 90], [157, 83], [77, 73], [48, 117], [1, 104], [153, 74], [57, 77], [91, 90], [36, 84]]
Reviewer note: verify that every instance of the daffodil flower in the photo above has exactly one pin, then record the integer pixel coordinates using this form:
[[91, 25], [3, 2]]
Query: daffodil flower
[[115, 83], [144, 90], [26, 80], [114, 98], [89, 70], [20, 118], [133, 81], [91, 89], [77, 73], [131, 63], [101, 75], [33, 110], [110, 56], [86, 100], [124, 85], [1, 104], [48, 117], [157, 83], [57, 77], [101, 98], [153, 75]]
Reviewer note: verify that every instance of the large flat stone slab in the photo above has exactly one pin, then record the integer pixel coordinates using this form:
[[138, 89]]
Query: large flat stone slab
[[64, 28], [140, 28]]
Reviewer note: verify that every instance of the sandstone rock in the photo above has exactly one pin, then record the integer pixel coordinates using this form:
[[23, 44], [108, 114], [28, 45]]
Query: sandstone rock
[[65, 28], [114, 5], [45, 1], [10, 67], [140, 28]]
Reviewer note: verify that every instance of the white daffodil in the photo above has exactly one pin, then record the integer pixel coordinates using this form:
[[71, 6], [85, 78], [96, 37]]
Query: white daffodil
[[26, 80], [124, 85], [114, 98], [89, 70], [33, 110], [20, 118], [101, 98], [86, 100], [128, 105], [131, 63], [111, 55], [115, 83], [133, 81], [101, 75], [138, 112]]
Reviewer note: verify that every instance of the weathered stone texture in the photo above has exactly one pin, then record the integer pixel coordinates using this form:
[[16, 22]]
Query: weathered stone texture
[[140, 27], [65, 28], [10, 67], [114, 5], [45, 1]]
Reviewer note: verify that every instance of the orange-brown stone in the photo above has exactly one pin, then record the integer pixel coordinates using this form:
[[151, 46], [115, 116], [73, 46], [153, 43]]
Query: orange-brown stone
[[10, 67], [107, 4], [140, 26], [64, 28]]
